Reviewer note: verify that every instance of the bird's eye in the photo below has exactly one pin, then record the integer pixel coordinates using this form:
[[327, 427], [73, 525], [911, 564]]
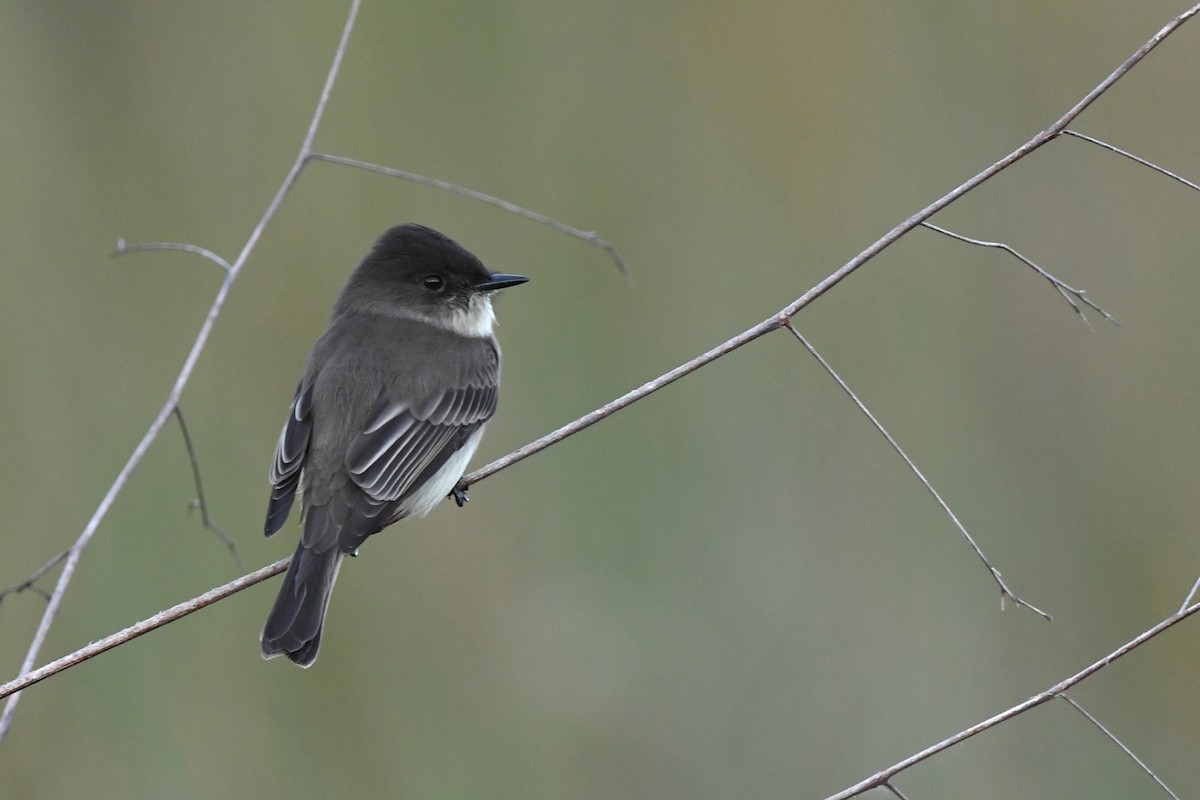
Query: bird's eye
[[434, 283]]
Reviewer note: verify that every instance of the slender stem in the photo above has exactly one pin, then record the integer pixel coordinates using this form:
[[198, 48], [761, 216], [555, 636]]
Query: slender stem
[[201, 501], [1112, 737], [588, 236], [1132, 157], [141, 247], [625, 400], [30, 583], [962, 529], [185, 373]]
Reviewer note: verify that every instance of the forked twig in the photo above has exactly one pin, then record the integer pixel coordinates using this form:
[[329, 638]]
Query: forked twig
[[201, 502], [1069, 293], [30, 583]]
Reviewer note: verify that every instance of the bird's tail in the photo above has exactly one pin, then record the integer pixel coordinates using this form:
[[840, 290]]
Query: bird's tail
[[294, 625]]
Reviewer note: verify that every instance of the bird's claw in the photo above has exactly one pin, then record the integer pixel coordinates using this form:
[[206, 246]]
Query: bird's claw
[[460, 496]]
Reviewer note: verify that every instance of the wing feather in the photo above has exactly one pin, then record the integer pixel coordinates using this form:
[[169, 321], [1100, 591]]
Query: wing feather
[[289, 460], [403, 443]]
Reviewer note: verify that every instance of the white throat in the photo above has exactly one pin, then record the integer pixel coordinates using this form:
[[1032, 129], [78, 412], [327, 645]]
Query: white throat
[[476, 320]]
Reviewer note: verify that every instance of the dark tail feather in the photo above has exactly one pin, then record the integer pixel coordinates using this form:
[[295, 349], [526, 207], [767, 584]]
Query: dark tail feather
[[294, 625]]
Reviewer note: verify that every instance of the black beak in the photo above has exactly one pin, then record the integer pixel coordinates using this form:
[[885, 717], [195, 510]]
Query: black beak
[[500, 280]]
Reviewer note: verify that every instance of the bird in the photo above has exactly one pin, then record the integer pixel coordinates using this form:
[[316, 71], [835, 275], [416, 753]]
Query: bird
[[393, 402]]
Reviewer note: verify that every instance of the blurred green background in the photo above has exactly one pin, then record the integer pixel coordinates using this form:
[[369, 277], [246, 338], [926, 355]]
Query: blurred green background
[[730, 589]]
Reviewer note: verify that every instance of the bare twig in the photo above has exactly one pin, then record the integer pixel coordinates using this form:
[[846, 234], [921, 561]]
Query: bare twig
[[1050, 133], [140, 247], [145, 626], [892, 788], [1187, 601], [201, 502], [1132, 157], [1069, 293], [588, 236], [1112, 737], [962, 529], [883, 776], [185, 373], [610, 408], [30, 583]]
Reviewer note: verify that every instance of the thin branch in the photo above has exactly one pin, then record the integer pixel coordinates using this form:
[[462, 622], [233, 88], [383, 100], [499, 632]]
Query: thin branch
[[883, 776], [30, 583], [145, 626], [201, 502], [185, 373], [962, 529], [1132, 157], [1112, 737], [124, 249], [625, 400], [588, 236], [1187, 601], [1069, 293], [892, 788]]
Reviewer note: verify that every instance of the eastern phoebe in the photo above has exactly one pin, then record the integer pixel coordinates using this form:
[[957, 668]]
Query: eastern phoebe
[[392, 405]]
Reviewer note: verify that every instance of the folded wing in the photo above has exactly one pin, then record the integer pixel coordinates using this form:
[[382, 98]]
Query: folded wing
[[402, 445]]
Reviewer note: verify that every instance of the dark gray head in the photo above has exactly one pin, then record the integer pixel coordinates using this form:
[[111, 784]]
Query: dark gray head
[[418, 273]]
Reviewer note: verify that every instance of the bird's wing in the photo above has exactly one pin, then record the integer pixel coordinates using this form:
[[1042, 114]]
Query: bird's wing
[[403, 444], [289, 458]]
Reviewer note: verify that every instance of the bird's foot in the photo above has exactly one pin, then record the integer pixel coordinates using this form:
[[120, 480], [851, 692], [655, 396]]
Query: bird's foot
[[460, 496]]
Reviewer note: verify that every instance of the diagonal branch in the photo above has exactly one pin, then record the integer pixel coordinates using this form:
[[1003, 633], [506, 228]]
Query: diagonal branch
[[145, 626], [962, 529], [1132, 157], [185, 373], [883, 776], [1112, 737]]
